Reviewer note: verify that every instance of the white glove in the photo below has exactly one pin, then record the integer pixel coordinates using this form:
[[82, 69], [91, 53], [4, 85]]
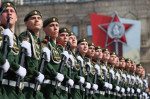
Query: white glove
[[82, 80], [122, 90], [59, 77], [104, 69], [40, 78], [110, 86], [124, 76], [117, 88], [97, 68], [95, 86], [106, 85], [72, 60], [128, 76], [21, 72], [27, 46], [138, 90], [66, 54], [79, 58], [89, 64], [10, 35], [133, 79], [6, 66], [128, 89], [70, 82], [88, 85], [118, 76], [112, 73], [132, 91], [47, 51]]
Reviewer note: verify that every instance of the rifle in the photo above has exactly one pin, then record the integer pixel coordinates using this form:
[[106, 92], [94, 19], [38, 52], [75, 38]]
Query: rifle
[[6, 44], [95, 80], [43, 59], [62, 64], [128, 84], [80, 73], [87, 80], [69, 73], [117, 84], [21, 63], [105, 79], [110, 76]]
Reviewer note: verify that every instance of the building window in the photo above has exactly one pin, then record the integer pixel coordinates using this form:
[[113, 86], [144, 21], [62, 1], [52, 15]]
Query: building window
[[75, 29], [89, 30]]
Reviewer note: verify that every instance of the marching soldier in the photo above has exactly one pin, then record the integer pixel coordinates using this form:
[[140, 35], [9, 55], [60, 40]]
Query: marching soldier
[[77, 73], [9, 60], [82, 45], [105, 58], [51, 68], [100, 79], [62, 39], [122, 72], [33, 45]]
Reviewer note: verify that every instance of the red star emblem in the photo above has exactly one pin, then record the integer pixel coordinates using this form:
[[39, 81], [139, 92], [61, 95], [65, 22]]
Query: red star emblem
[[115, 30]]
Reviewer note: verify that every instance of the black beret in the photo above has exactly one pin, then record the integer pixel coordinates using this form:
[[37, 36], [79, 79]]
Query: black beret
[[50, 20], [8, 4], [34, 12], [64, 29], [82, 40], [97, 47], [127, 59], [105, 49], [121, 58]]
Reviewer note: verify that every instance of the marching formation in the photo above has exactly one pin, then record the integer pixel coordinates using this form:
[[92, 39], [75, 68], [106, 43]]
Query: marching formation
[[60, 67]]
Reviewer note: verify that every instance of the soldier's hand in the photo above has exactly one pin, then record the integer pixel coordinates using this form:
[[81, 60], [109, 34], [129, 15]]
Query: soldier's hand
[[59, 77], [82, 80], [122, 90], [110, 86], [27, 46], [88, 85], [40, 78], [138, 90], [72, 60], [97, 67], [10, 35], [48, 52], [21, 72], [132, 91], [95, 86], [117, 88], [128, 89], [70, 82], [79, 58], [6, 66], [66, 54]]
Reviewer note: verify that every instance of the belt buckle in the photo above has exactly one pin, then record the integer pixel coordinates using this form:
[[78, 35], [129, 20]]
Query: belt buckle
[[21, 86]]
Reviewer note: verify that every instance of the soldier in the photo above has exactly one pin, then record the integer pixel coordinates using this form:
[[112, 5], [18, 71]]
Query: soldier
[[97, 58], [93, 72], [105, 58], [51, 68], [62, 39], [128, 73], [139, 80], [77, 74], [122, 72], [34, 23], [133, 80], [82, 45], [9, 62]]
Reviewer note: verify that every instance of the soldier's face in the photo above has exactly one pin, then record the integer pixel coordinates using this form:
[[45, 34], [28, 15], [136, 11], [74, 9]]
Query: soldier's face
[[106, 55], [34, 23], [63, 38], [117, 62], [98, 53], [9, 11], [52, 30], [122, 63], [133, 66], [128, 64], [112, 59], [91, 51], [139, 70], [83, 47], [73, 41]]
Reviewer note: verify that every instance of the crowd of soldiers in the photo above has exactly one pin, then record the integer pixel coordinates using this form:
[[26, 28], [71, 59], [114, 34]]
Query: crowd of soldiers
[[60, 67]]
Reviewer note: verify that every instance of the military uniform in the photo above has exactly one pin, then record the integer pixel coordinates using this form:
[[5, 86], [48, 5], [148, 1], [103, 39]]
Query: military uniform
[[8, 88], [32, 63]]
